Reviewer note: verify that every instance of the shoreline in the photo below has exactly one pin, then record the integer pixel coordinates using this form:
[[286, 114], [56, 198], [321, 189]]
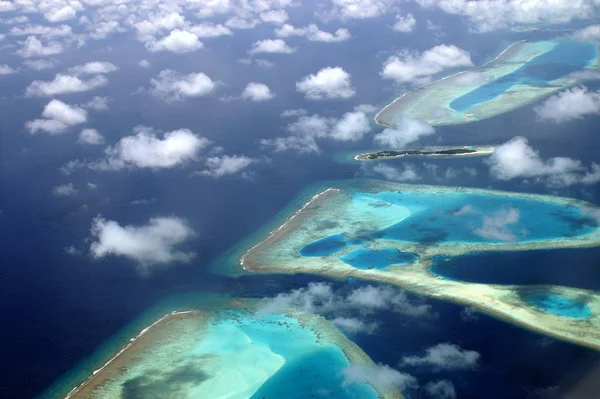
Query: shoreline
[[479, 151], [380, 123]]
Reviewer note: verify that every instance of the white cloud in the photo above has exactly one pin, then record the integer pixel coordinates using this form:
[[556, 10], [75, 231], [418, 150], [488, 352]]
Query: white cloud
[[288, 113], [591, 32], [150, 244], [569, 105], [257, 92], [170, 85], [406, 173], [352, 126], [242, 23], [93, 68], [178, 41], [409, 67], [97, 103], [32, 47], [46, 125], [60, 14], [41, 30], [64, 84], [64, 190], [103, 29], [469, 78], [488, 15], [357, 9], [355, 326], [442, 389], [226, 165], [209, 29], [59, 116], [381, 377], [271, 46], [516, 159], [406, 132], [497, 225], [41, 64], [6, 69], [91, 137], [144, 64], [299, 144], [405, 24], [444, 356], [276, 17], [313, 33], [328, 83], [146, 150]]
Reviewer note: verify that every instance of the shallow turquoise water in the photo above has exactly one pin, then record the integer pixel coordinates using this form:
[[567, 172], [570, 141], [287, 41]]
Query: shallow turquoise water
[[566, 57], [328, 245], [560, 305], [377, 259]]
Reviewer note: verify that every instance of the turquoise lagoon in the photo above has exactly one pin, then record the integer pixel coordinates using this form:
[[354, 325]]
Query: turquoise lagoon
[[560, 305], [523, 73]]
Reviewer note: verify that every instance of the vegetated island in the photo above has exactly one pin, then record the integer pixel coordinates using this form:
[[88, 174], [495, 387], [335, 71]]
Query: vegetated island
[[433, 152], [391, 232], [233, 350]]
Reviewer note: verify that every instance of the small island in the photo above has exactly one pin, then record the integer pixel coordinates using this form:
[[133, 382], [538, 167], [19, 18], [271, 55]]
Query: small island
[[433, 152]]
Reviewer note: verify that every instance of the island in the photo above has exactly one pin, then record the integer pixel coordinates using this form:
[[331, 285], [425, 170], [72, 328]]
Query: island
[[523, 73], [392, 233], [232, 349], [432, 152]]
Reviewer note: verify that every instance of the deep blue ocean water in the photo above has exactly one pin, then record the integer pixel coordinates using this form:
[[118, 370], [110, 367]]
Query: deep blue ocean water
[[56, 309], [566, 57]]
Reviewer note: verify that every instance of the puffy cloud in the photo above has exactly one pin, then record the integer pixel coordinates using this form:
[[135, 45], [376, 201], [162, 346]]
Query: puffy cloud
[[148, 245], [144, 64], [381, 377], [469, 78], [569, 105], [146, 150], [226, 165], [178, 41], [97, 103], [293, 112], [64, 84], [209, 29], [516, 159], [357, 9], [497, 225], [313, 33], [170, 85], [64, 190], [488, 15], [6, 69], [91, 137], [355, 326], [406, 173], [242, 23], [271, 46], [406, 132], [257, 92], [405, 24], [41, 30], [40, 65], [93, 68], [32, 47], [103, 29], [60, 14], [444, 356], [59, 116], [352, 126], [328, 83], [299, 144], [409, 67], [442, 389], [276, 17], [591, 32]]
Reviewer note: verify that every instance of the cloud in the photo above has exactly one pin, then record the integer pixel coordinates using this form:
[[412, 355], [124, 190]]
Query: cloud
[[209, 29], [516, 159], [32, 47], [91, 137], [355, 326], [178, 41], [442, 389], [276, 17], [497, 225], [271, 46], [93, 68], [352, 126], [469, 78], [7, 69], [41, 64], [64, 84], [151, 244], [405, 24], [97, 103], [257, 92], [299, 144], [41, 30], [444, 356], [407, 67], [327, 83], [64, 190], [288, 113], [406, 173], [144, 64], [381, 377], [226, 165], [313, 33], [58, 117], [170, 85], [242, 23], [569, 105], [146, 150], [591, 32], [406, 132], [489, 15], [356, 9], [60, 14]]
